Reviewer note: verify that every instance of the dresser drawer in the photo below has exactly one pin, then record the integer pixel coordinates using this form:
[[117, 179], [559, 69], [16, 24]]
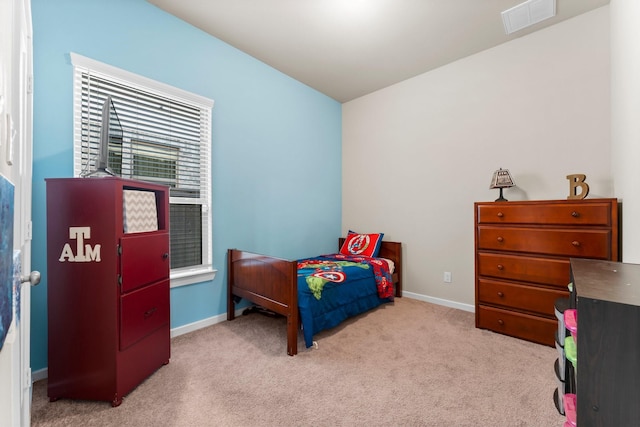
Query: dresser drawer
[[549, 271], [562, 242], [142, 312], [557, 213], [528, 327], [524, 297]]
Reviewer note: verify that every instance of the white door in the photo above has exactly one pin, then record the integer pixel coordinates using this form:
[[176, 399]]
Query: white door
[[15, 165]]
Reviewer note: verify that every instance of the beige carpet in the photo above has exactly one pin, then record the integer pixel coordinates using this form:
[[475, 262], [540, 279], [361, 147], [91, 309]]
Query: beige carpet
[[409, 363]]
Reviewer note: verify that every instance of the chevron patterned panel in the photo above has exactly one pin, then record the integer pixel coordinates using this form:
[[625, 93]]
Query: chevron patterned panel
[[139, 211]]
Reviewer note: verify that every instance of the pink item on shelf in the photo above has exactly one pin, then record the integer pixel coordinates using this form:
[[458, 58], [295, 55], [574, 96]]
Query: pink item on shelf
[[570, 409], [571, 322]]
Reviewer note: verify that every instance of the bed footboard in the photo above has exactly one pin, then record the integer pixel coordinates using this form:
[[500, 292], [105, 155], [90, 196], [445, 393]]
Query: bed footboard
[[268, 282]]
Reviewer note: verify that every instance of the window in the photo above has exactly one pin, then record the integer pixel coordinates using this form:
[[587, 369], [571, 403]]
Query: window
[[165, 138]]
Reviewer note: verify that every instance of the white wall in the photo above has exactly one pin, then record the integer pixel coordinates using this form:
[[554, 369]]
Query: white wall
[[418, 154], [625, 113]]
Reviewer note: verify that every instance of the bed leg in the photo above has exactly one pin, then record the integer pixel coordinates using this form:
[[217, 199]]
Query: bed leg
[[292, 335], [231, 307]]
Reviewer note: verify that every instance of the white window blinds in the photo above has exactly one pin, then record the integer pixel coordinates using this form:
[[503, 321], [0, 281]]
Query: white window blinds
[[165, 138]]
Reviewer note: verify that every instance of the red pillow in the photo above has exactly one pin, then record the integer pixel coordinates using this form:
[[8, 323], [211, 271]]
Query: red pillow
[[362, 244]]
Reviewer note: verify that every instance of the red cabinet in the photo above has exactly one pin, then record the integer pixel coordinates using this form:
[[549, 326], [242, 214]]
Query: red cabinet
[[108, 290]]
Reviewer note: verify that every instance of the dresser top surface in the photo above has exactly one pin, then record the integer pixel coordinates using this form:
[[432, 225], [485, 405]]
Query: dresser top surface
[[551, 202], [606, 280]]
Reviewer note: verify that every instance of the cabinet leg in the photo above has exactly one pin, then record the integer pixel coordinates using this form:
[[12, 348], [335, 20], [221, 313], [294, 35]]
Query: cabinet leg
[[117, 400]]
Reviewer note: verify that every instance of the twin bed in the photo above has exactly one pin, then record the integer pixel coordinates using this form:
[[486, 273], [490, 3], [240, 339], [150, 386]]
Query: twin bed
[[315, 293]]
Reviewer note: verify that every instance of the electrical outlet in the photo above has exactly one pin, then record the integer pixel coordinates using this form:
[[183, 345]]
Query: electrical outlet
[[447, 277]]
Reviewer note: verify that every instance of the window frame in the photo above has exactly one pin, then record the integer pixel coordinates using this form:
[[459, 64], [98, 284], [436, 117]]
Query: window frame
[[180, 276]]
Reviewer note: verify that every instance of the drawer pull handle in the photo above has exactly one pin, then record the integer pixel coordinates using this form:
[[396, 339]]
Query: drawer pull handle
[[575, 243], [500, 294], [150, 312], [500, 267], [575, 214], [500, 322], [500, 214], [500, 239]]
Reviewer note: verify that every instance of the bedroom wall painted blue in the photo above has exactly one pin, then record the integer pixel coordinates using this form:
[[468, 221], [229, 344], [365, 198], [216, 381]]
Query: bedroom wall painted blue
[[276, 143]]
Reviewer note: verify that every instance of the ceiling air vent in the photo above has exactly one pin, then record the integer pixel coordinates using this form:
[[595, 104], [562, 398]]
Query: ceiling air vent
[[528, 13]]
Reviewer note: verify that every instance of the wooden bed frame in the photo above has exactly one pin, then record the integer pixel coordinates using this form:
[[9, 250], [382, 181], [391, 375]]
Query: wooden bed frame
[[272, 283]]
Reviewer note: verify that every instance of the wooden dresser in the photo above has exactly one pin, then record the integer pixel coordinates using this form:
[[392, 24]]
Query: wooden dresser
[[522, 259]]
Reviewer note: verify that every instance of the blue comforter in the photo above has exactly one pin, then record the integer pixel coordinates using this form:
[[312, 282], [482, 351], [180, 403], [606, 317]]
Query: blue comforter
[[334, 288]]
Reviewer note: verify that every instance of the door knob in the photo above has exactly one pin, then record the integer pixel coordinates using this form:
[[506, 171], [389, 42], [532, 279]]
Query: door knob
[[33, 278]]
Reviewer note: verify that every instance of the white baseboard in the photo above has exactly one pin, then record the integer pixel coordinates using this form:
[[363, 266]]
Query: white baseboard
[[440, 301], [40, 374], [185, 329]]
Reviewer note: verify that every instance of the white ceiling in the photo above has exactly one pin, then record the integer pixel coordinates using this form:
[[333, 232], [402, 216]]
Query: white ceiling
[[349, 48]]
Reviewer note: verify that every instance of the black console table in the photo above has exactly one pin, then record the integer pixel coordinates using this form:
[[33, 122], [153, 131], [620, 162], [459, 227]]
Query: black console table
[[607, 298]]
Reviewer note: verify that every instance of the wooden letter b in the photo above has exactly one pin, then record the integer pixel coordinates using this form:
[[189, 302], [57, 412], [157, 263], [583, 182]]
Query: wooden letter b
[[575, 181]]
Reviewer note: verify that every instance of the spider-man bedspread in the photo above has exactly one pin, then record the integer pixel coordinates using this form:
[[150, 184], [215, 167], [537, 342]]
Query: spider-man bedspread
[[332, 288]]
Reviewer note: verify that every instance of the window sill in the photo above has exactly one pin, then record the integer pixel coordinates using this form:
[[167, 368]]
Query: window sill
[[189, 277]]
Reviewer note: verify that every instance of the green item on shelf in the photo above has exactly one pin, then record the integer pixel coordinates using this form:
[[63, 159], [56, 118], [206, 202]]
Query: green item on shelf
[[570, 286], [571, 350]]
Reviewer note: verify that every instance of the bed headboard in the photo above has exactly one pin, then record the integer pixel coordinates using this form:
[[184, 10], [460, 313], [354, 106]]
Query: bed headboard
[[392, 251]]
